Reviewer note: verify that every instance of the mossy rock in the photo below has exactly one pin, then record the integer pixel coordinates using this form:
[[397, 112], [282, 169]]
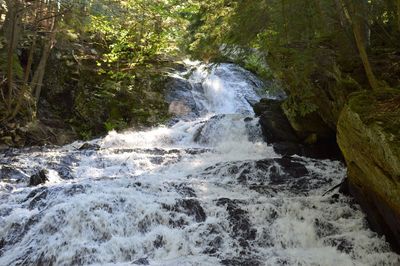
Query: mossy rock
[[380, 108], [309, 127], [369, 137]]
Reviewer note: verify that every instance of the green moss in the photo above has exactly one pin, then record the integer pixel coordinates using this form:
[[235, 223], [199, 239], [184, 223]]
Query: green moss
[[380, 109], [375, 107]]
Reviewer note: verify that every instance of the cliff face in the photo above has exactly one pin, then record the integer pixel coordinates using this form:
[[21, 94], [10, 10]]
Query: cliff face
[[368, 133]]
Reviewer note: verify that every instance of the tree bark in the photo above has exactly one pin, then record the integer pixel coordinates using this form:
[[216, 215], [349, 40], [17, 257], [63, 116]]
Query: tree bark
[[340, 11], [285, 20], [358, 34], [356, 17], [28, 68], [37, 80], [12, 30], [398, 14], [25, 87]]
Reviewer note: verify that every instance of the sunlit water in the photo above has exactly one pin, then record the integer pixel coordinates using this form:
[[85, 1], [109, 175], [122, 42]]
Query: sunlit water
[[205, 190]]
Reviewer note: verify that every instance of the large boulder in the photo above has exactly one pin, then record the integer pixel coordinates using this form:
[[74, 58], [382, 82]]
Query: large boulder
[[43, 133], [311, 138], [369, 137], [180, 97], [310, 127], [38, 178], [274, 124]]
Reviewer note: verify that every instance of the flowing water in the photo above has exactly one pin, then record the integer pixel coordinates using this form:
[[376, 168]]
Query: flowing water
[[205, 190]]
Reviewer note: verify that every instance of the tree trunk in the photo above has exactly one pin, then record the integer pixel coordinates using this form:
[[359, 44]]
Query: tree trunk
[[28, 68], [37, 80], [356, 16], [398, 14], [12, 30], [285, 20], [2, 11], [25, 87], [340, 11], [358, 35]]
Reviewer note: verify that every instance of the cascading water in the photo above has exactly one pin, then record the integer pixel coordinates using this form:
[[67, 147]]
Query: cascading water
[[205, 190]]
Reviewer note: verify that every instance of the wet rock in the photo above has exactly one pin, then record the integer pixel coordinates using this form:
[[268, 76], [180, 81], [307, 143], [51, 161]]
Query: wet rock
[[35, 192], [204, 134], [214, 245], [103, 207], [287, 148], [65, 172], [190, 207], [184, 190], [239, 222], [274, 171], [38, 178], [194, 151], [180, 97], [197, 134], [156, 151], [178, 108], [177, 223], [321, 150], [292, 166], [267, 176], [148, 221], [341, 244], [44, 260], [89, 146], [141, 261], [156, 160], [18, 230], [241, 262], [274, 124], [290, 137], [10, 173], [2, 244], [81, 256], [307, 129], [75, 189], [159, 242], [262, 105], [324, 228]]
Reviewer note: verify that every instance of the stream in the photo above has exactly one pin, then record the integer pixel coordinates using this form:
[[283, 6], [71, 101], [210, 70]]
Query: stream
[[203, 190]]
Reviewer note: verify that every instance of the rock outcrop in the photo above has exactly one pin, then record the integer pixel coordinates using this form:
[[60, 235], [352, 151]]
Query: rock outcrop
[[295, 135], [38, 178], [38, 132], [369, 137], [274, 124], [310, 127]]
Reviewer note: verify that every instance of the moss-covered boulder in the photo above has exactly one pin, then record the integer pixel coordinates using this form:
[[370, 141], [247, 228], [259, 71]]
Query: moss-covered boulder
[[310, 128], [369, 137]]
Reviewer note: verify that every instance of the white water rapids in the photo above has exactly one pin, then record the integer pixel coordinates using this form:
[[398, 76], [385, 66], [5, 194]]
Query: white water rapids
[[204, 191]]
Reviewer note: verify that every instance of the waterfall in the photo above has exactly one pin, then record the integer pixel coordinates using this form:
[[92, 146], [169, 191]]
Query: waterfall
[[203, 190]]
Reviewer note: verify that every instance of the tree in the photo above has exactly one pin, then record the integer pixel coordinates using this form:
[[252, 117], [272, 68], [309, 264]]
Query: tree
[[356, 15]]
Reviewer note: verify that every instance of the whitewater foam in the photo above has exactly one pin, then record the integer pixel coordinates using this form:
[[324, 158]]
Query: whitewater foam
[[204, 191]]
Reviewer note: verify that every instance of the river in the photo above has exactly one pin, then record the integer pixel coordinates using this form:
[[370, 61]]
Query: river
[[203, 190]]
